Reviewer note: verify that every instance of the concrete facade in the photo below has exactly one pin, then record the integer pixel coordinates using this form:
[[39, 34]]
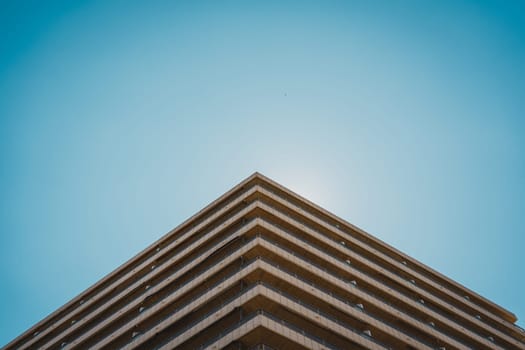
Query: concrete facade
[[263, 268]]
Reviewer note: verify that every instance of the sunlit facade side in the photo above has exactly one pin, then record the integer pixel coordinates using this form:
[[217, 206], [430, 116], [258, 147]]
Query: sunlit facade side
[[263, 268]]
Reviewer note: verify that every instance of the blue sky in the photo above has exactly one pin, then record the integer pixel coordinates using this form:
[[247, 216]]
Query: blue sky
[[120, 119]]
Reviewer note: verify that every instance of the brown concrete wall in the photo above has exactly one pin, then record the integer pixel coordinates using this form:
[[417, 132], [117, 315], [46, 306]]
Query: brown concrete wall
[[260, 232]]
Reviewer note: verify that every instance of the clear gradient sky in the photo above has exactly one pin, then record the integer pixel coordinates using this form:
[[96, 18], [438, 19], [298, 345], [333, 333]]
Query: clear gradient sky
[[120, 119]]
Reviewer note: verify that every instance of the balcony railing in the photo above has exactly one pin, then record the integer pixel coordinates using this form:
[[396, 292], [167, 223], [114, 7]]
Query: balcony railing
[[280, 292], [283, 269], [447, 316], [494, 324], [272, 317]]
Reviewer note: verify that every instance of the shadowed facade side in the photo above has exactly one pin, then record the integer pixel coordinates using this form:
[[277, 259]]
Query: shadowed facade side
[[263, 268]]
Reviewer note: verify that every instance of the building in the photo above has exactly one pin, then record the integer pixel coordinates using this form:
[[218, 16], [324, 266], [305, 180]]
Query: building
[[263, 268]]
